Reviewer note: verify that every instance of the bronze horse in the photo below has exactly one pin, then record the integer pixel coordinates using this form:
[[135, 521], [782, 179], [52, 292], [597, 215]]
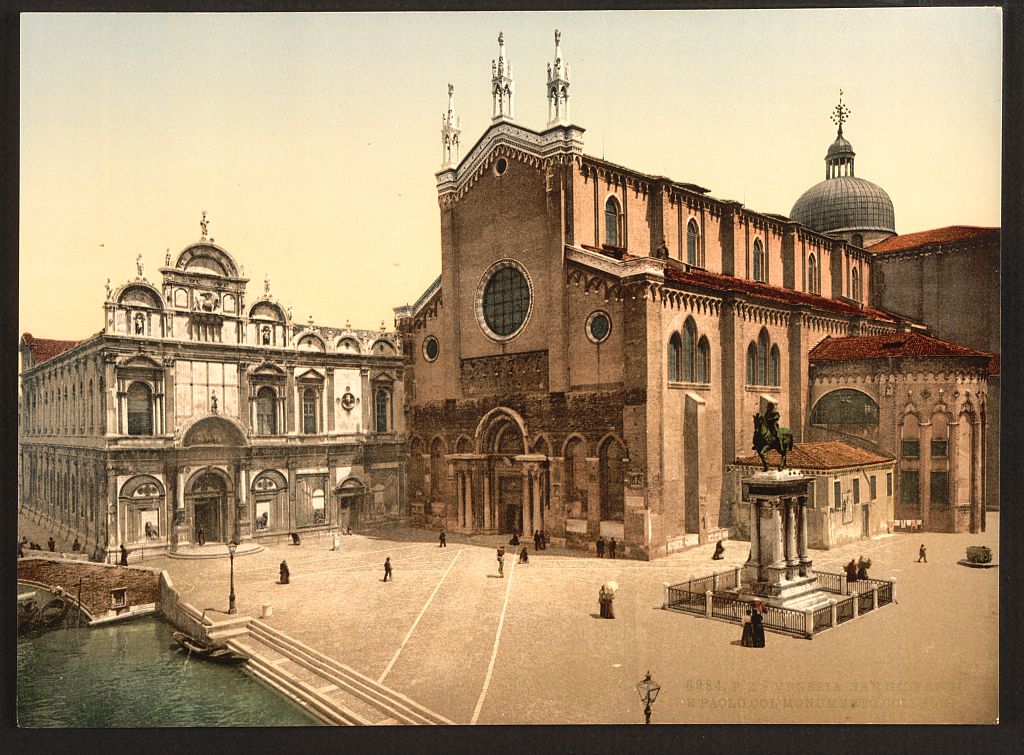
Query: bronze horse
[[764, 441]]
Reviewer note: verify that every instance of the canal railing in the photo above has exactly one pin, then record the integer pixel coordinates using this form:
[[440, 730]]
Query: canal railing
[[714, 597]]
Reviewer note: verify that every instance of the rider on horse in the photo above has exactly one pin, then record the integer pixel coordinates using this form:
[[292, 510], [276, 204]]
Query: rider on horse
[[768, 435]]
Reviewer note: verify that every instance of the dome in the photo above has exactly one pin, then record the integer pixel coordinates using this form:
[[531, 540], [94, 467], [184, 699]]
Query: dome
[[845, 203], [840, 148]]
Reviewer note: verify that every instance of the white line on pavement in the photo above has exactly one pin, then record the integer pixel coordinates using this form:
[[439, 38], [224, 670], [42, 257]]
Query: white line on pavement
[[415, 623], [494, 651]]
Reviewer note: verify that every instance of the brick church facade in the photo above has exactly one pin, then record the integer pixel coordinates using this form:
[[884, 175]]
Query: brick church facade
[[589, 361]]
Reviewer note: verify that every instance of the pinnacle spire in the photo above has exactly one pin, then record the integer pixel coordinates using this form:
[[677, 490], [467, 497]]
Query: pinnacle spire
[[450, 130], [839, 159], [558, 87], [501, 83]]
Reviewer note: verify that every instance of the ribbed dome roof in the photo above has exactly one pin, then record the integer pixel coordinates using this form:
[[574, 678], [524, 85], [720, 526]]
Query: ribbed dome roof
[[845, 203], [840, 148]]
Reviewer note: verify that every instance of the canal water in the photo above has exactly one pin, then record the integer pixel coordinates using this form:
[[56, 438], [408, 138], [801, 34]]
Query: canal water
[[126, 675]]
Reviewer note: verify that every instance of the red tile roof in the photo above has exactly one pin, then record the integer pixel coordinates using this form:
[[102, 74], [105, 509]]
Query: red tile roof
[[830, 454], [46, 348], [856, 348], [773, 293], [945, 235]]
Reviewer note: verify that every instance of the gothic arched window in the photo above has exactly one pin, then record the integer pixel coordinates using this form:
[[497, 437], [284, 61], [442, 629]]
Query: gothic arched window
[[692, 237], [675, 354], [140, 409], [763, 346], [855, 284], [773, 366], [689, 350], [752, 364], [266, 416], [613, 223], [760, 273], [309, 411], [812, 274], [381, 400], [703, 360]]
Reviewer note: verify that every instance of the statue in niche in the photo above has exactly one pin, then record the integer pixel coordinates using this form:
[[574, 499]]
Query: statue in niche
[[265, 335], [140, 324], [213, 402]]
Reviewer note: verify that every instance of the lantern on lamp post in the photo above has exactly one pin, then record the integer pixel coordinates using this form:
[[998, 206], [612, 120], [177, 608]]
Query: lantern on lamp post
[[648, 690], [231, 596]]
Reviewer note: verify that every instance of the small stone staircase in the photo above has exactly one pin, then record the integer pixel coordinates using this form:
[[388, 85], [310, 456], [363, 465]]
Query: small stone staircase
[[335, 693]]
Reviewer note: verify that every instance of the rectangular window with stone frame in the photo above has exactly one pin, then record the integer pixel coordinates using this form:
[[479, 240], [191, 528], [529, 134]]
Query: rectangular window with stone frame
[[940, 488]]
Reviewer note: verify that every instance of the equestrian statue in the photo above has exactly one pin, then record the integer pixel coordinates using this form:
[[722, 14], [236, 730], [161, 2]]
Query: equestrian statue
[[768, 435]]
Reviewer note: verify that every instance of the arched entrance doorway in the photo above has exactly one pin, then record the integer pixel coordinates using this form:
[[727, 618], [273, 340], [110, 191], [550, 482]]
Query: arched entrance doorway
[[350, 495], [208, 500]]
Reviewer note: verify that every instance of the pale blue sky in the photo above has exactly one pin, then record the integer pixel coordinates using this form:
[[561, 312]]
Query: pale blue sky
[[312, 139]]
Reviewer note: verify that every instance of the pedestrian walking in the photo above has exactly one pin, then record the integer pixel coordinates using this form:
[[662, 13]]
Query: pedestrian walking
[[51, 545], [757, 624], [606, 598], [747, 638], [600, 546], [124, 554], [543, 540], [922, 554], [442, 540], [524, 557], [536, 540], [387, 569], [286, 575], [851, 571], [501, 560], [611, 548]]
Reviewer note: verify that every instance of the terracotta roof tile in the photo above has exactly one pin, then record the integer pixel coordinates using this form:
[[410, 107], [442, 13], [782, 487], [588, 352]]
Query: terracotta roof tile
[[46, 348], [857, 348], [830, 454], [773, 293], [949, 234]]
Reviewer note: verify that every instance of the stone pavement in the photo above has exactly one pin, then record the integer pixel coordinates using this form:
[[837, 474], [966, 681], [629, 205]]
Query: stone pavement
[[530, 648]]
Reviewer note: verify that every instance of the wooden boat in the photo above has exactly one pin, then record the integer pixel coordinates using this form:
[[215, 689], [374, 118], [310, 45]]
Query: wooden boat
[[218, 653]]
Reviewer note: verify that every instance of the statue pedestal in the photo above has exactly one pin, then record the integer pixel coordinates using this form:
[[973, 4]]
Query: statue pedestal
[[778, 571]]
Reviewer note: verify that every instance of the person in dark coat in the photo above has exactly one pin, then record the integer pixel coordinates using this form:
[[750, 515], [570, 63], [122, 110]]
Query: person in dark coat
[[524, 557], [757, 624], [51, 545], [76, 546], [286, 575], [863, 564], [387, 569], [747, 639], [296, 540], [611, 548], [851, 571], [515, 538], [922, 553], [124, 555], [719, 551], [543, 541], [600, 546], [536, 540], [201, 536], [442, 540], [501, 560]]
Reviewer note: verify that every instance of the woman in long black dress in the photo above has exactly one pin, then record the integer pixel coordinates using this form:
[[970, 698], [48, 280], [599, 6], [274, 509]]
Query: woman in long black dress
[[757, 624]]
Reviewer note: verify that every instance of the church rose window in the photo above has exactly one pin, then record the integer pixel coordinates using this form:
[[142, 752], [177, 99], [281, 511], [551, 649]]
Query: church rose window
[[505, 300], [598, 327], [431, 348]]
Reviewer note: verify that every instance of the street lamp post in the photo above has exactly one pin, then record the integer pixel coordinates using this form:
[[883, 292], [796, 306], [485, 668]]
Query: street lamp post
[[231, 596], [648, 690]]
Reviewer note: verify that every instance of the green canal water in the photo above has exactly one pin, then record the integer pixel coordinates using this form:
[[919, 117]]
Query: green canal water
[[126, 675]]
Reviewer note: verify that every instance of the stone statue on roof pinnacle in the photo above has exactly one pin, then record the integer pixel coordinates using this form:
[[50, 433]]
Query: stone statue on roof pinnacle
[[203, 225]]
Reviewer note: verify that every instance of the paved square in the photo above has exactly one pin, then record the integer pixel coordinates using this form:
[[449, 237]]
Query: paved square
[[433, 633]]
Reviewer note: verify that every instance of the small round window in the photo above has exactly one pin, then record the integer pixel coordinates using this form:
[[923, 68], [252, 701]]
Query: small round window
[[504, 300], [431, 348], [500, 166], [599, 325]]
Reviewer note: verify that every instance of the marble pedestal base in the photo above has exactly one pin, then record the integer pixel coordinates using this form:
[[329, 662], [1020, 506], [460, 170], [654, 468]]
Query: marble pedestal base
[[798, 594]]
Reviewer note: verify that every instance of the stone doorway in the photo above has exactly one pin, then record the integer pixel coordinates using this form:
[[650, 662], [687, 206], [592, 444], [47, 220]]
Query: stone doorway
[[510, 503], [207, 518]]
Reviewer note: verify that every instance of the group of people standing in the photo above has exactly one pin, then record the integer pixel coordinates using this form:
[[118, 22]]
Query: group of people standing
[[753, 626], [612, 545], [857, 569]]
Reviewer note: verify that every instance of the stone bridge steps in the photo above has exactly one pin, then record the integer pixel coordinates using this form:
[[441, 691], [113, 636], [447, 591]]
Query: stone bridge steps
[[348, 681], [267, 669]]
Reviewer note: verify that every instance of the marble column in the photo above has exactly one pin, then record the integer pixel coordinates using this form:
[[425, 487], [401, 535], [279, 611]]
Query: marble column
[[460, 494], [801, 538], [536, 504], [527, 522], [469, 500], [791, 552], [778, 534], [485, 477]]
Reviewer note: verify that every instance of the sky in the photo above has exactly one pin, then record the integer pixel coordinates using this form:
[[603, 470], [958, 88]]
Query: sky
[[312, 140]]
